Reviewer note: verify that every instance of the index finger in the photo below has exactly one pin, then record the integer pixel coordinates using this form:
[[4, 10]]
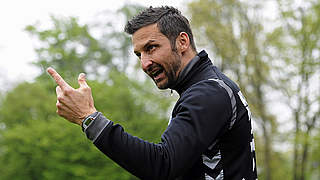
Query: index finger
[[59, 80]]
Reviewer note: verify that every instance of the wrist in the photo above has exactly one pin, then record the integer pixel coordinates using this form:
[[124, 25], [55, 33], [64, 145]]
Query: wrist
[[95, 128], [81, 119]]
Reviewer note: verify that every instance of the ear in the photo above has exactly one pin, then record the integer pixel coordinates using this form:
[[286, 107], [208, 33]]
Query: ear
[[182, 42]]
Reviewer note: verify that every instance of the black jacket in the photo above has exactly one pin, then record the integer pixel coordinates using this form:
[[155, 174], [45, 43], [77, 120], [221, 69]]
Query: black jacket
[[209, 135]]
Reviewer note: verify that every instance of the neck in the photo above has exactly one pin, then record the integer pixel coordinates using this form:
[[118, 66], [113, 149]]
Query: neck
[[193, 72], [186, 57]]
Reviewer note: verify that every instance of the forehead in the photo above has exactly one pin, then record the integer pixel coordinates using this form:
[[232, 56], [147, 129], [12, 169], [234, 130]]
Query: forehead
[[147, 34]]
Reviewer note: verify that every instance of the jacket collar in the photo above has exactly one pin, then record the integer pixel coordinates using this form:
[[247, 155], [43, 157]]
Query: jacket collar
[[191, 74]]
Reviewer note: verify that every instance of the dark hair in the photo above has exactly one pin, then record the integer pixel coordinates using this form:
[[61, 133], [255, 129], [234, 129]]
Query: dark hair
[[170, 22]]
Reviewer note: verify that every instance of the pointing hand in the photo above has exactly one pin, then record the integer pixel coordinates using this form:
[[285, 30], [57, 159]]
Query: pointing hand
[[73, 104]]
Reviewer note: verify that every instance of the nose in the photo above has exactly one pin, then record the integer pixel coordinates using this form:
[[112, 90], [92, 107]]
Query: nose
[[146, 62]]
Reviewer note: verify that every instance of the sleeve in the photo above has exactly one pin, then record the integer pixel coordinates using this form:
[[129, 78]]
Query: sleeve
[[202, 113]]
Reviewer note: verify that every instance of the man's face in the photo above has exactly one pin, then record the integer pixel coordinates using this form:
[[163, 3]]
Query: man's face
[[157, 58]]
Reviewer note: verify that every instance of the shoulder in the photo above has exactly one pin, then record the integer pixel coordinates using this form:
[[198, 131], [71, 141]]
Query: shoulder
[[204, 88], [206, 92]]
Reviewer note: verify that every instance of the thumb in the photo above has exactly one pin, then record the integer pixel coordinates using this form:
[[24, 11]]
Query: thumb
[[82, 80]]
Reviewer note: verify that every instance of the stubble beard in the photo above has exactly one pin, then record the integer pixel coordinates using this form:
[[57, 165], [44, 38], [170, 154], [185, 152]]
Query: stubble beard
[[171, 72]]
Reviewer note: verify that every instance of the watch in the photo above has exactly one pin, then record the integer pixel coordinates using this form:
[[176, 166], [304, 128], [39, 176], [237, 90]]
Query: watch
[[88, 120]]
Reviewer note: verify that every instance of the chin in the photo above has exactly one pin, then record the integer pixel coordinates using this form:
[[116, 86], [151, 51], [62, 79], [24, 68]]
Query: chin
[[162, 85], [162, 88]]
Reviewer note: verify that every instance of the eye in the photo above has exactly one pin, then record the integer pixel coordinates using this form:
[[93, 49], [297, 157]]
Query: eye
[[138, 54], [150, 47]]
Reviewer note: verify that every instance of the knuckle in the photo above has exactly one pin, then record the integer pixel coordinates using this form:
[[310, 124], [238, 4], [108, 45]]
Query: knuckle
[[59, 112], [58, 105], [66, 92], [60, 98], [87, 89]]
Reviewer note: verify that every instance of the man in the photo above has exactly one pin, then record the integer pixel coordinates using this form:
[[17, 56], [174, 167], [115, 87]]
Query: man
[[209, 135]]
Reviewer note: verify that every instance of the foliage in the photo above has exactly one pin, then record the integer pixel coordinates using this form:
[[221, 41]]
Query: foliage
[[69, 48], [236, 39], [297, 46], [280, 61], [37, 144]]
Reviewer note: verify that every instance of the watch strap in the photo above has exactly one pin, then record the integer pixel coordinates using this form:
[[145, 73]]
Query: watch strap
[[95, 127]]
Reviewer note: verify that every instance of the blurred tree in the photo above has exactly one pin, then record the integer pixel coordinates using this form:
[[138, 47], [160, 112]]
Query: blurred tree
[[315, 156], [233, 31], [69, 48], [25, 104], [296, 45], [122, 42], [37, 144]]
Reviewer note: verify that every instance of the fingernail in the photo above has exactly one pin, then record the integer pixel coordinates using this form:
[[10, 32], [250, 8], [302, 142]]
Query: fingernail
[[82, 75], [49, 69]]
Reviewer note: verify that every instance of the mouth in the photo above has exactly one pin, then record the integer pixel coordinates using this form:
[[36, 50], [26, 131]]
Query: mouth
[[157, 74]]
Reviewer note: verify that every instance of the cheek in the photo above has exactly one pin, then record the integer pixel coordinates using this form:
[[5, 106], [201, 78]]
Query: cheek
[[176, 62], [164, 57], [164, 52]]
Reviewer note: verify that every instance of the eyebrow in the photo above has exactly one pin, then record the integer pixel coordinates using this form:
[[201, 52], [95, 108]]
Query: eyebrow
[[145, 46]]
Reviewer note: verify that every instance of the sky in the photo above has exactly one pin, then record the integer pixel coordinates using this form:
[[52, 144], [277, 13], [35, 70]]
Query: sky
[[17, 46]]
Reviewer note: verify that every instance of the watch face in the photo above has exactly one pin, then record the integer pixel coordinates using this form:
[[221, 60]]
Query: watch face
[[87, 122]]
